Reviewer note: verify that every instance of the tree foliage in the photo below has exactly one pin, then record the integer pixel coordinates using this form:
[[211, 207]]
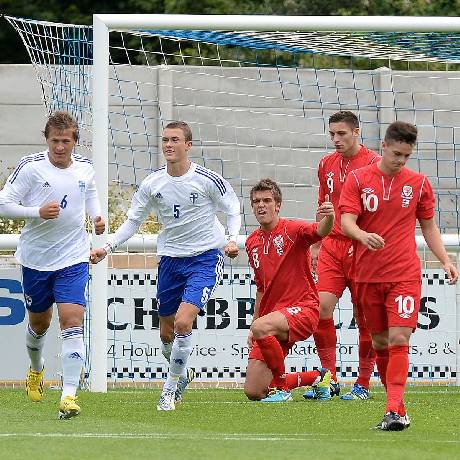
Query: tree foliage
[[81, 12]]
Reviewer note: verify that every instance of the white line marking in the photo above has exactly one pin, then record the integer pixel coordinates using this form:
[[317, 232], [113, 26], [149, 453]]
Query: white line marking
[[220, 437]]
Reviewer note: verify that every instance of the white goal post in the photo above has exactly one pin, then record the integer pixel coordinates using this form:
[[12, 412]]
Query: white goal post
[[101, 25]]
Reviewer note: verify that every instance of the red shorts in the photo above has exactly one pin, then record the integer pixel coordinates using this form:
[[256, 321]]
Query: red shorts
[[388, 305], [334, 267], [302, 322]]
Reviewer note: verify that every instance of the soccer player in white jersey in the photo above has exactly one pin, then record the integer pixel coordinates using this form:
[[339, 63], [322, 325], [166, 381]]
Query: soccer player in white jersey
[[54, 190], [186, 198]]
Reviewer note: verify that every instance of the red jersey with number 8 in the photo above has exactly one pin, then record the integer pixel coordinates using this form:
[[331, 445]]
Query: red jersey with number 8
[[281, 263], [388, 206]]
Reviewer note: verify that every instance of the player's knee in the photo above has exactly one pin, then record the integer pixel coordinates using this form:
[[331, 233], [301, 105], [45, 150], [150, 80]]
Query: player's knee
[[379, 342], [326, 311], [40, 325], [253, 394], [182, 325], [70, 321], [399, 340], [40, 328], [259, 329]]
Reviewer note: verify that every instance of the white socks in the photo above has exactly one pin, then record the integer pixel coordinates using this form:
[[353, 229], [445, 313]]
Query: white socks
[[34, 344], [181, 349], [72, 358]]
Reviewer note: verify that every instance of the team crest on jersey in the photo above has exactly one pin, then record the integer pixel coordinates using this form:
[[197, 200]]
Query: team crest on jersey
[[193, 197], [82, 186], [278, 242], [407, 194]]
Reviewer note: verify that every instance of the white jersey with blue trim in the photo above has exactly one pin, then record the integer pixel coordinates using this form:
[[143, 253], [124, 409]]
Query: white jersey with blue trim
[[51, 244], [186, 206]]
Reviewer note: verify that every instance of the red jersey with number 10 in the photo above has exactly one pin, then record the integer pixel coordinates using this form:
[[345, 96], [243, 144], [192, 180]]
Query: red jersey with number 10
[[281, 263], [388, 206], [332, 172]]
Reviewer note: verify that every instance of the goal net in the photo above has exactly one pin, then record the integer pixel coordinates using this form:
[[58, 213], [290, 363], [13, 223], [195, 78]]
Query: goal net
[[258, 103]]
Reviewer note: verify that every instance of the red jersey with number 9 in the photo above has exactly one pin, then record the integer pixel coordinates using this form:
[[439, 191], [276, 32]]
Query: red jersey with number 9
[[332, 172], [281, 263], [388, 206]]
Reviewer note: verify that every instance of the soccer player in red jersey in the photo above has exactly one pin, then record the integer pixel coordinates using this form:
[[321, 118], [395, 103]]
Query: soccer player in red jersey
[[379, 207], [286, 308], [333, 266]]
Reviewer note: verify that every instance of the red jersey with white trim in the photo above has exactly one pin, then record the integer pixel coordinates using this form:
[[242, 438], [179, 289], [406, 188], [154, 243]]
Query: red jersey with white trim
[[388, 206], [332, 172], [281, 263]]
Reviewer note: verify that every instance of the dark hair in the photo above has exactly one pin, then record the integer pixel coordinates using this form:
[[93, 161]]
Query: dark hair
[[61, 120], [347, 117], [400, 131], [267, 184], [183, 126]]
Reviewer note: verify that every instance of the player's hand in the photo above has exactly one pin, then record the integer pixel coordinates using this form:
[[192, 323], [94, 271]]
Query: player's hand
[[99, 225], [231, 249], [250, 340], [451, 272], [326, 208], [49, 210], [372, 241], [97, 255]]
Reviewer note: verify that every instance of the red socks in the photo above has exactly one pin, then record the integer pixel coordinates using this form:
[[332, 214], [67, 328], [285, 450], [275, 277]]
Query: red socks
[[393, 365], [367, 358], [274, 359], [396, 377], [326, 341], [382, 364], [301, 379]]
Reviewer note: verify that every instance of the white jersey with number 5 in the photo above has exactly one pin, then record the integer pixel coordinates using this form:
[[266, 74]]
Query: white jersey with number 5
[[186, 206], [52, 244]]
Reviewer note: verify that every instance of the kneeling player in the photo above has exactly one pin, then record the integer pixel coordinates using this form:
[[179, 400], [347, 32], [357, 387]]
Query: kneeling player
[[287, 305]]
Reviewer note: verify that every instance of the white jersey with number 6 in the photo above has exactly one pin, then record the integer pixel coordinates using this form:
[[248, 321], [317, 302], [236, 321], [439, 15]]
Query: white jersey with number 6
[[52, 244]]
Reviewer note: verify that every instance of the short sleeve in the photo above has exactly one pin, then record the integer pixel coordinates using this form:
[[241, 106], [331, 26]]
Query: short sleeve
[[350, 200], [309, 232], [425, 205]]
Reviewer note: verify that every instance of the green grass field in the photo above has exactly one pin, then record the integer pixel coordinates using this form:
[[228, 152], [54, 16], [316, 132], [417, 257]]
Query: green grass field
[[221, 424]]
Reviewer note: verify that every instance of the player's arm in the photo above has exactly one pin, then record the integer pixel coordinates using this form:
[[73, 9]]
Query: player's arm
[[326, 213], [16, 188], [314, 248], [93, 208], [233, 225], [433, 239], [350, 207], [259, 295], [372, 241], [230, 205], [141, 206]]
